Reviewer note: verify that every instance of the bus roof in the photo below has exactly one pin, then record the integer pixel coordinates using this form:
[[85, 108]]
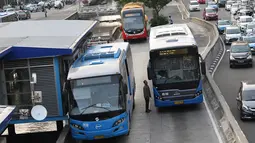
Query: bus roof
[[167, 36], [98, 60], [133, 5], [4, 14]]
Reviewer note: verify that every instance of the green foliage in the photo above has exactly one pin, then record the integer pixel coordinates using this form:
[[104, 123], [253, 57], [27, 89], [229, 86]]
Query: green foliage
[[158, 20], [156, 5], [123, 2]]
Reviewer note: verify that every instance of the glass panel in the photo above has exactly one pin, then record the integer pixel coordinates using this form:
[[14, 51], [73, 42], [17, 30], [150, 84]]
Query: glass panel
[[20, 99], [18, 87], [16, 74]]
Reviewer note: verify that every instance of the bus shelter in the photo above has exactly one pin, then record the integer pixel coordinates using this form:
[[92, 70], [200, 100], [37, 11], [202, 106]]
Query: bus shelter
[[35, 59]]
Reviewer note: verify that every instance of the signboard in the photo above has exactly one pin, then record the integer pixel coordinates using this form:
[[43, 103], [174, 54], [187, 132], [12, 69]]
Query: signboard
[[132, 14], [173, 52]]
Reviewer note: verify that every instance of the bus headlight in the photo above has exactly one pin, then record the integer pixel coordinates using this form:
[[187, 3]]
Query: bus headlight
[[77, 126], [118, 122], [165, 94], [198, 93]]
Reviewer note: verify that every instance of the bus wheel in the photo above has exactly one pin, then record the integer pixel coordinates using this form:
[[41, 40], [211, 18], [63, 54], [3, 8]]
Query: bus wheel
[[125, 40], [78, 141]]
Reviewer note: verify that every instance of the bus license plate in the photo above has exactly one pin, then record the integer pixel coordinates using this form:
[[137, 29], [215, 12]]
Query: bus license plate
[[99, 137], [178, 102]]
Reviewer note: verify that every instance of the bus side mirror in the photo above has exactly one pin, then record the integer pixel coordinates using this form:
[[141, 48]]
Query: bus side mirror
[[203, 68], [149, 71]]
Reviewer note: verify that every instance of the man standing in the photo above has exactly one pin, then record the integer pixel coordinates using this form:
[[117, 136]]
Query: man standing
[[147, 96]]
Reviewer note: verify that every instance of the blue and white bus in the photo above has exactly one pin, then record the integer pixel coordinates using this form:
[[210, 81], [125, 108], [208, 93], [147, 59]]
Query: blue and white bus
[[174, 66], [102, 86]]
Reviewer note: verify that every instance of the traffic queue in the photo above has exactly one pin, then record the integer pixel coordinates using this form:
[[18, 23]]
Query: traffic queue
[[239, 34]]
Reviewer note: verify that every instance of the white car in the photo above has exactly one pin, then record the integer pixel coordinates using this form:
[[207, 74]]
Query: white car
[[194, 6], [242, 21], [58, 4], [250, 28], [234, 8], [232, 33], [228, 5]]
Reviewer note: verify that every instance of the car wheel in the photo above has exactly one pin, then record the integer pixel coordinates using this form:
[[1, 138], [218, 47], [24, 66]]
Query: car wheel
[[231, 66], [251, 65]]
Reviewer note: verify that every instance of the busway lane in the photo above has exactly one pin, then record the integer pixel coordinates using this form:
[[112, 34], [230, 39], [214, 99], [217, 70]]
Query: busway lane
[[170, 125], [229, 80]]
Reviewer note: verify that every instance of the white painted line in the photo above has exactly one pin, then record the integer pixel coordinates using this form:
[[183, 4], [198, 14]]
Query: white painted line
[[213, 122], [224, 52]]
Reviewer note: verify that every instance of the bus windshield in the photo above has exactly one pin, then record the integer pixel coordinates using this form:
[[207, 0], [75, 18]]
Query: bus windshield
[[176, 69], [97, 95], [133, 20]]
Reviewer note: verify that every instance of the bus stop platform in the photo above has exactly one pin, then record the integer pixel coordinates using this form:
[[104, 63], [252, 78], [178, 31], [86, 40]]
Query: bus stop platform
[[5, 116]]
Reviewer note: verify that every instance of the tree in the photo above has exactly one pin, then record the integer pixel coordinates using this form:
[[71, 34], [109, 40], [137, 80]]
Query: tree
[[123, 2], [156, 5], [158, 20]]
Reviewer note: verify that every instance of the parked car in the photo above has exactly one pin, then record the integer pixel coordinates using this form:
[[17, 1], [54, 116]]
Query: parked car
[[22, 14], [194, 6], [232, 33], [58, 4], [32, 7], [240, 54], [245, 11], [210, 14], [246, 100], [222, 24]]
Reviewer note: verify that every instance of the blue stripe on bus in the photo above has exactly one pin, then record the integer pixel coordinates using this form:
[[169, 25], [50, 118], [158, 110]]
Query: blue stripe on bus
[[199, 86], [58, 86], [155, 91]]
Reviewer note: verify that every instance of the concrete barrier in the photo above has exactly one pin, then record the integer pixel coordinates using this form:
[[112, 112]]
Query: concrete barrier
[[116, 33], [73, 16], [229, 129]]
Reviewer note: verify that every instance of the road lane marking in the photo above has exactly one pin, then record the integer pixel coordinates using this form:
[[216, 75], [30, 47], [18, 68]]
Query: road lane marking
[[223, 54]]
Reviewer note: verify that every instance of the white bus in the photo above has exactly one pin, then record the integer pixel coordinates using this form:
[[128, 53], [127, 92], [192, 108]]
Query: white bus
[[102, 87], [174, 66]]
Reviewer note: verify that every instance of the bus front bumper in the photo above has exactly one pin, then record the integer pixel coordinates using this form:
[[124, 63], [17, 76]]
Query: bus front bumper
[[167, 103], [119, 130]]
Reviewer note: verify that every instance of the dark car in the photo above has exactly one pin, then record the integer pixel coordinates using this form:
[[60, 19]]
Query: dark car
[[246, 100], [240, 54], [210, 14]]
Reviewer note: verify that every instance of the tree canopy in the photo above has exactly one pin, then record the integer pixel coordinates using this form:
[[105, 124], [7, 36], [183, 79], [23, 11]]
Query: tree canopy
[[156, 5]]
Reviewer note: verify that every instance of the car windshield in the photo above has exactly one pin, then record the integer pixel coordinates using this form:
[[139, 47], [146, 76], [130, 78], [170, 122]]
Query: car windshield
[[224, 22], [133, 21], [249, 39], [250, 26], [248, 95], [247, 19], [194, 3], [240, 49], [175, 69], [210, 10], [233, 31], [97, 95]]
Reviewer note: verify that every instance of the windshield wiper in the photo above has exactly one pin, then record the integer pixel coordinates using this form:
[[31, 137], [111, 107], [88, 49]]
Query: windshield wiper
[[93, 105], [176, 77]]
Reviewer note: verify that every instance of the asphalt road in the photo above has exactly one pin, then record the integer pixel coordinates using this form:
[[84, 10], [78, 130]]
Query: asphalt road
[[190, 124], [229, 80], [55, 14]]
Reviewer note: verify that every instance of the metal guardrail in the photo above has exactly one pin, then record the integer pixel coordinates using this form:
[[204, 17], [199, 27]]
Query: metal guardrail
[[225, 121]]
